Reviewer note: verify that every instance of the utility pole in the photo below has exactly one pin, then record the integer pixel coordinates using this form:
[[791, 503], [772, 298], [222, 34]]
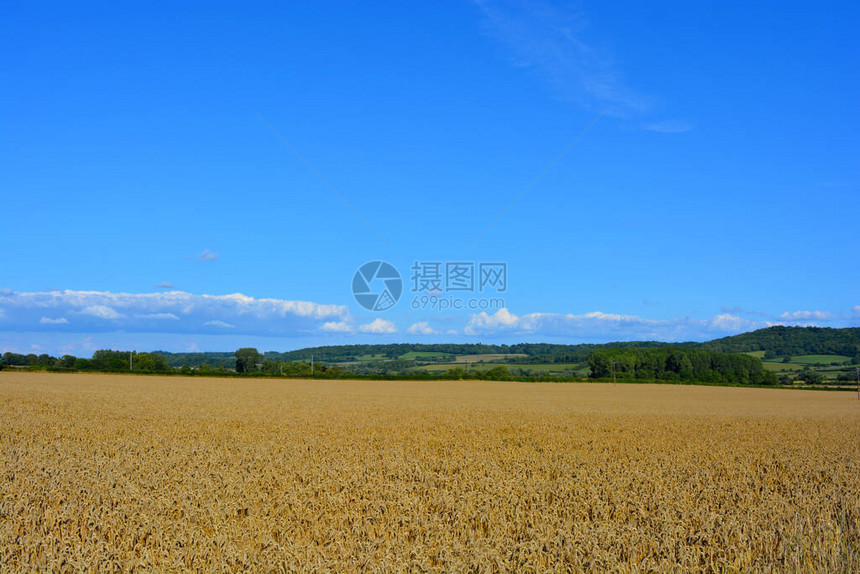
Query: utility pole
[[613, 373], [312, 364], [130, 360], [857, 370]]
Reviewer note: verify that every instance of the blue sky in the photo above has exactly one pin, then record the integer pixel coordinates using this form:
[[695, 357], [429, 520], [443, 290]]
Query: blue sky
[[176, 175]]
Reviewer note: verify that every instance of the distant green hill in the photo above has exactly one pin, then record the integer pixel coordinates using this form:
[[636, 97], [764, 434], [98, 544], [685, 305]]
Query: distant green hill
[[773, 341], [787, 341], [534, 352]]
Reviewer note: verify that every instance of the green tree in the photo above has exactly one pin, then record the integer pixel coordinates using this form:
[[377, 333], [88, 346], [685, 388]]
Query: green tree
[[247, 359], [456, 373], [500, 373], [150, 362], [15, 359], [811, 377], [108, 360], [271, 367]]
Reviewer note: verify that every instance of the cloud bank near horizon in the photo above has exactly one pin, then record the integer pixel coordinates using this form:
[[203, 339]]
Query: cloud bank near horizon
[[165, 312], [617, 327], [175, 320]]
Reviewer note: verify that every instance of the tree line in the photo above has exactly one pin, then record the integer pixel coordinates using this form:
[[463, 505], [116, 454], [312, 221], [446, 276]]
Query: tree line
[[775, 341], [660, 362], [679, 364], [102, 360]]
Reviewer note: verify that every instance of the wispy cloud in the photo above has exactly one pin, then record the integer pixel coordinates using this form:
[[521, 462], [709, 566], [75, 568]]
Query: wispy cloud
[[157, 316], [550, 40], [833, 184], [219, 323], [807, 315], [670, 126], [50, 321], [738, 310], [164, 285], [208, 256]]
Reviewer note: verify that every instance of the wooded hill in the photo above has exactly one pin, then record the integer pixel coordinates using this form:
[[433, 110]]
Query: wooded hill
[[775, 341], [785, 341]]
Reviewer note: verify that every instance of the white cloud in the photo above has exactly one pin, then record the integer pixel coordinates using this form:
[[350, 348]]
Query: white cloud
[[337, 327], [421, 328], [164, 285], [856, 310], [208, 256], [807, 315], [166, 312], [378, 326], [50, 321], [502, 319], [102, 312], [670, 126], [729, 322]]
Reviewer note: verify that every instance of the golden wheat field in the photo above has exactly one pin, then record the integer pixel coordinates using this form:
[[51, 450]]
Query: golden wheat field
[[110, 473]]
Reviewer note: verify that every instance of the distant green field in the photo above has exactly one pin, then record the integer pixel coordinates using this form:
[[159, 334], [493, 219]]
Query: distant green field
[[377, 357], [422, 355], [758, 354], [807, 359], [782, 367], [486, 357], [823, 359], [542, 367]]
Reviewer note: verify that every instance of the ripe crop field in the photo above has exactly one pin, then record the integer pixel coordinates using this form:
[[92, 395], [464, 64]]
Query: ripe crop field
[[105, 472]]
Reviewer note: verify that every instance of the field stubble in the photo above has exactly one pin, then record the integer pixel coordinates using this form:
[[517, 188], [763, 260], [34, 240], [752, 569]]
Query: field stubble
[[109, 472]]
